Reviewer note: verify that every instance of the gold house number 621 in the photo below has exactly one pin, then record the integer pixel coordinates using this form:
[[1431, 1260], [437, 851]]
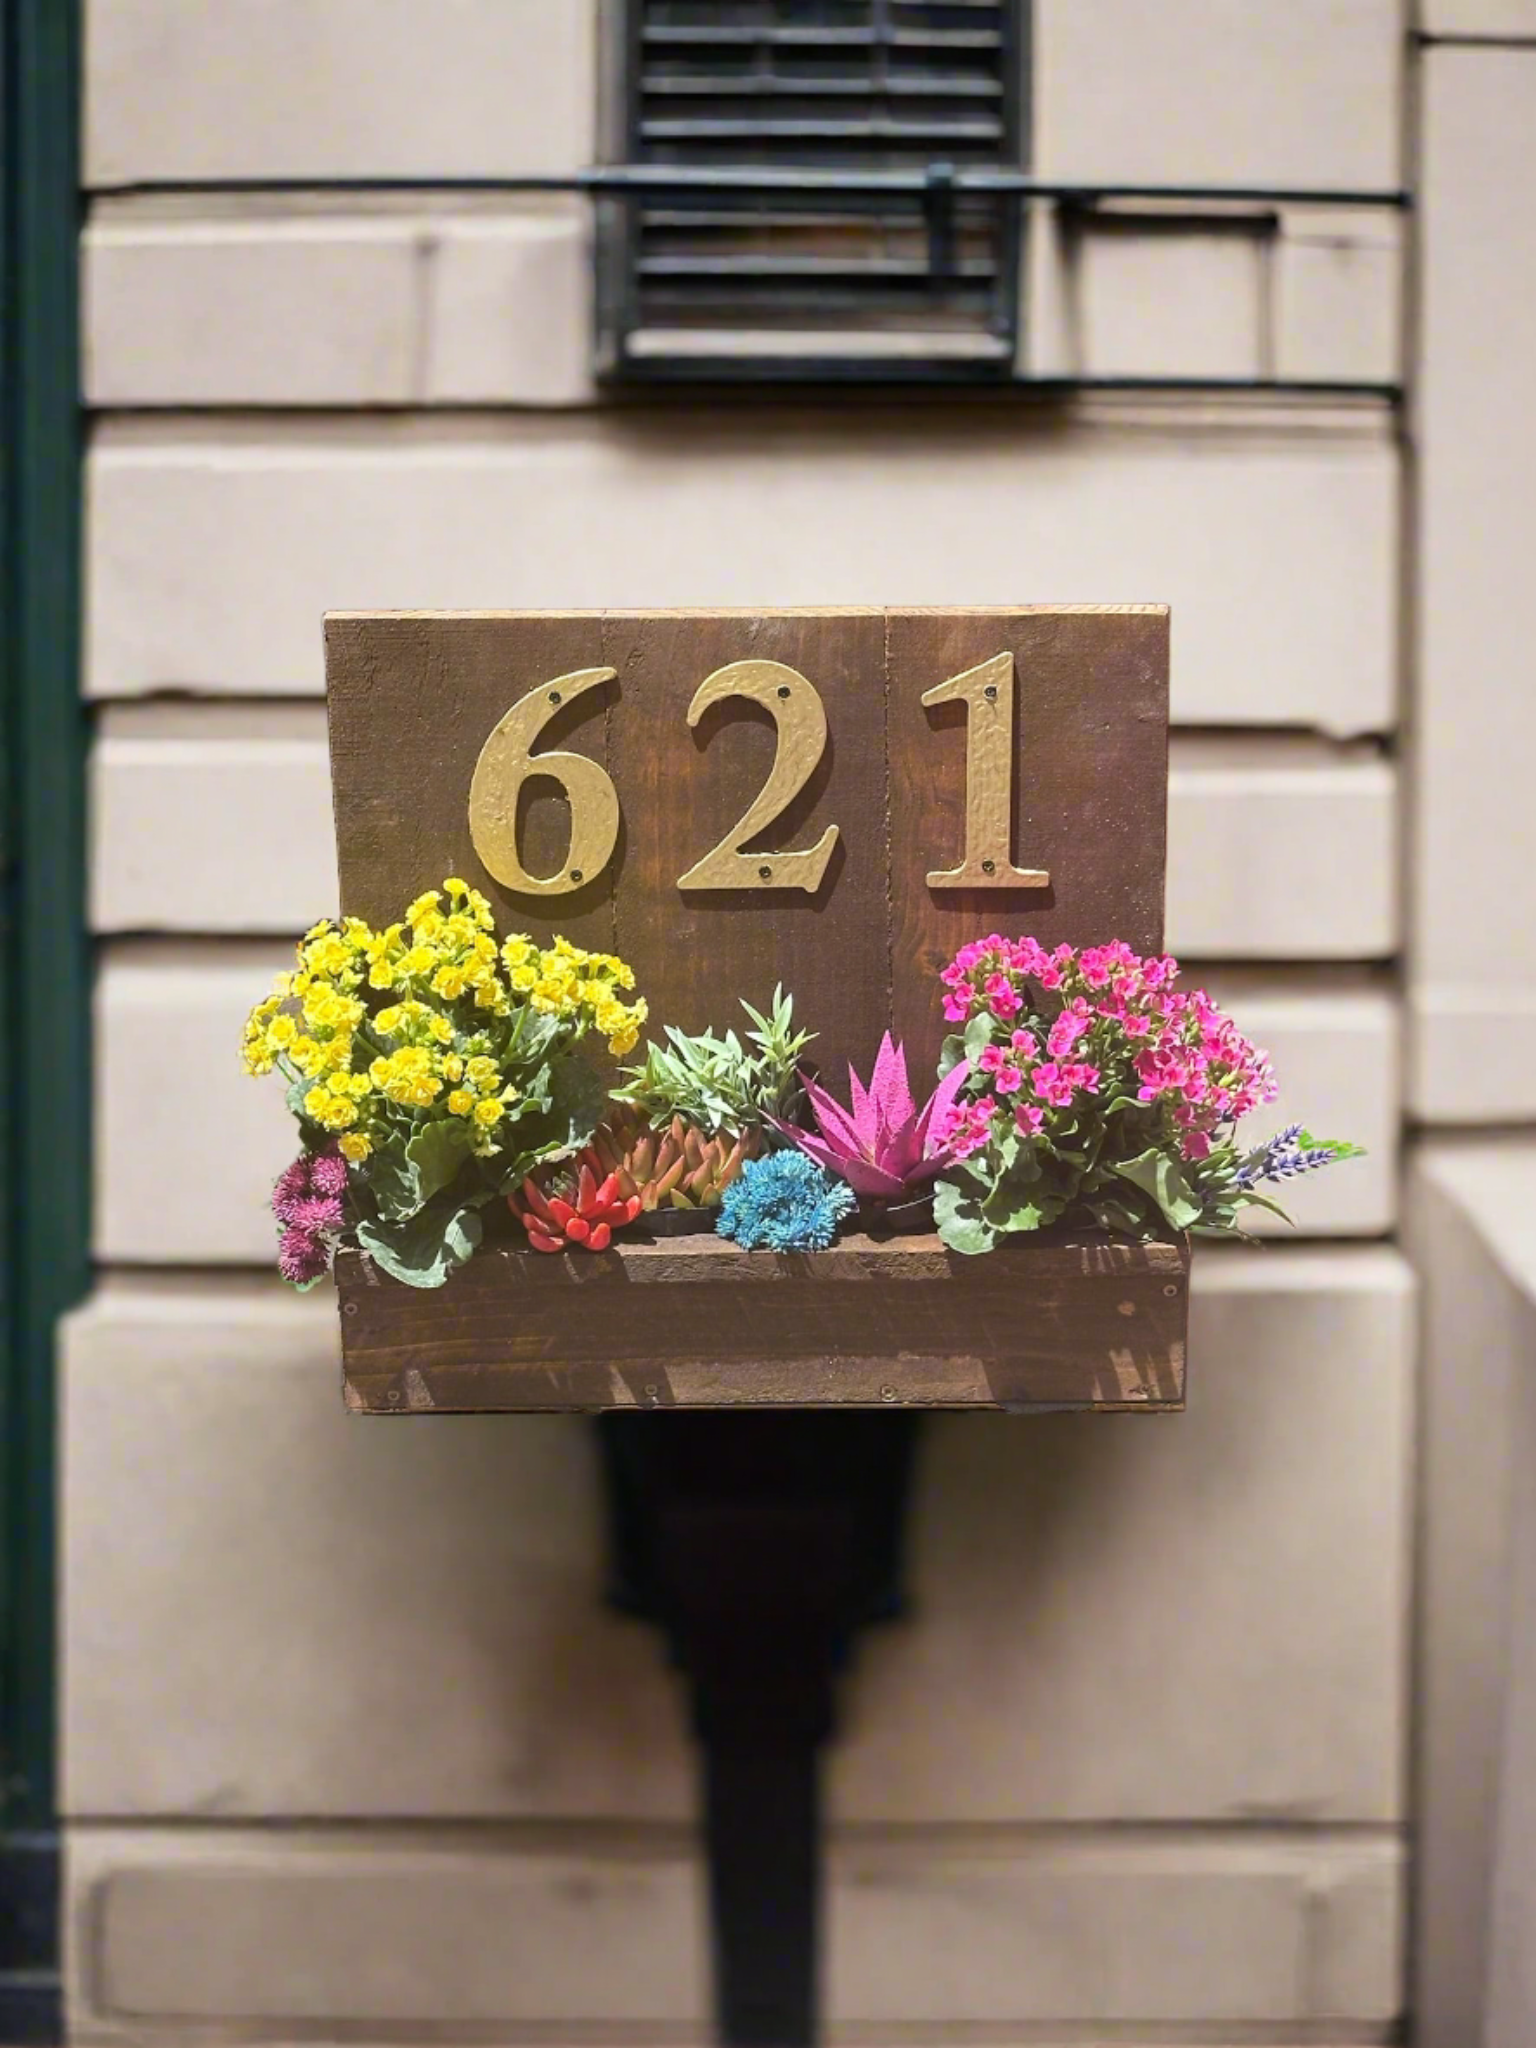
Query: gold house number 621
[[507, 761]]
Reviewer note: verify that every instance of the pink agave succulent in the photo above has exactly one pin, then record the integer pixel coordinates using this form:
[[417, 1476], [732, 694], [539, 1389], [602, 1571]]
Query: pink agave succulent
[[884, 1145]]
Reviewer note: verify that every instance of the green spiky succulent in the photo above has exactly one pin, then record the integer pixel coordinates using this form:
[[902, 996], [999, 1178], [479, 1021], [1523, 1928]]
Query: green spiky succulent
[[717, 1083]]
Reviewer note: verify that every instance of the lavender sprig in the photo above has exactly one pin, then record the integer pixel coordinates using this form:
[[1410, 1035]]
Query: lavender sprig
[[1290, 1152]]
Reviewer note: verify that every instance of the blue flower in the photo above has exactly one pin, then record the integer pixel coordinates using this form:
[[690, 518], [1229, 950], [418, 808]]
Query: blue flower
[[784, 1203]]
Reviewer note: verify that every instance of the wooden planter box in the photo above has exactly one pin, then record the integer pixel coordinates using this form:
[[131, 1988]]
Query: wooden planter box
[[1072, 1320]]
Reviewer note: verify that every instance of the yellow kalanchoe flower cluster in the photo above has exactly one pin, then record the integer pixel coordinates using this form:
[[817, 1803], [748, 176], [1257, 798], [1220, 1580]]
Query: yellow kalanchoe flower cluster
[[563, 981], [443, 1041]]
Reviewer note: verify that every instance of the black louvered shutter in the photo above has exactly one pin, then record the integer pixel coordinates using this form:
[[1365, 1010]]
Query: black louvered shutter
[[819, 283]]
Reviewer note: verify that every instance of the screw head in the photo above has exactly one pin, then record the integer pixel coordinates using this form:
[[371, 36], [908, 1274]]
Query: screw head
[[349, 1308], [575, 874], [783, 689], [394, 1395], [765, 874], [554, 696], [989, 867], [1170, 1292], [888, 1394], [990, 693]]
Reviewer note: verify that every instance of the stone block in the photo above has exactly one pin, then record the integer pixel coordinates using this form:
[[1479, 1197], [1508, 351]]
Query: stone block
[[510, 315], [238, 312], [1168, 298], [1471, 1202], [1207, 92], [438, 89], [455, 1934], [1337, 292], [1335, 1042], [211, 818], [1473, 937], [1281, 848], [214, 547]]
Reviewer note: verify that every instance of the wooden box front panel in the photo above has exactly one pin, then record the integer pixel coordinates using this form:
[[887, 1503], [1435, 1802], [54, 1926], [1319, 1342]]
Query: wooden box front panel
[[1065, 1321], [414, 697]]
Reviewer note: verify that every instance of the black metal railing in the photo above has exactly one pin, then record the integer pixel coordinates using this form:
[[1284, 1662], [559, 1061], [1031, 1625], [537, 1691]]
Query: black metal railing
[[936, 196]]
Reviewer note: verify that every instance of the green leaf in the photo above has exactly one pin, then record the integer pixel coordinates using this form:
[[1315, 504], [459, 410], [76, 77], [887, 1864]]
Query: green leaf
[[535, 1094], [514, 1167], [958, 1219], [1247, 1196], [537, 1034], [1341, 1148], [978, 1035], [1119, 1213], [296, 1092], [436, 1153], [1014, 1156], [1007, 1209], [951, 1054], [1163, 1179], [392, 1181], [423, 1251], [576, 1102], [572, 1102]]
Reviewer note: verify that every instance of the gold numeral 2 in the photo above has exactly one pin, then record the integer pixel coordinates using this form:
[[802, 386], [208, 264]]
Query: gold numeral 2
[[801, 721], [507, 761], [987, 694]]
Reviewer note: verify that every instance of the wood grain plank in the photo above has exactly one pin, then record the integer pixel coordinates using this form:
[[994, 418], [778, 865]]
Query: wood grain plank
[[1078, 1322], [695, 952], [1089, 789], [412, 699]]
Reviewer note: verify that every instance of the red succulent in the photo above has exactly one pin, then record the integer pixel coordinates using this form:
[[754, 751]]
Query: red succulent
[[585, 1212]]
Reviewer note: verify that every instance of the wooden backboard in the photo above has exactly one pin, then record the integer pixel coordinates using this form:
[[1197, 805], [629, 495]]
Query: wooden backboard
[[1050, 758]]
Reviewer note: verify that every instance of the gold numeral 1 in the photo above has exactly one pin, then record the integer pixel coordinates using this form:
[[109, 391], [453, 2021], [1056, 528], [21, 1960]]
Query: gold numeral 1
[[987, 694]]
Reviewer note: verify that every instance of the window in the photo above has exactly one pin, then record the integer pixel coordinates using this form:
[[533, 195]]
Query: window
[[803, 280]]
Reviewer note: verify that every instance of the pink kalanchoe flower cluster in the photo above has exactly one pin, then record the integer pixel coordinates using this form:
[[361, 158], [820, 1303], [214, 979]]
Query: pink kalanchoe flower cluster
[[1118, 1028], [967, 1127], [307, 1201]]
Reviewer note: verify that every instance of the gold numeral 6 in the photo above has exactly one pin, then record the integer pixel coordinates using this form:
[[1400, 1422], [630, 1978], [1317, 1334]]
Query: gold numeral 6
[[507, 761], [801, 723]]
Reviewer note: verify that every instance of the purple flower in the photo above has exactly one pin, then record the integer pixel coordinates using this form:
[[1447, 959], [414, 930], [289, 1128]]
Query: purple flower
[[292, 1186], [328, 1173], [316, 1213], [1282, 1159], [301, 1256], [312, 1175]]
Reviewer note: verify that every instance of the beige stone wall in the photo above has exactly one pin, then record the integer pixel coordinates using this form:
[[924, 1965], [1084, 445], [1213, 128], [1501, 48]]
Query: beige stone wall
[[1474, 910], [351, 1750], [1470, 1205], [1472, 1028]]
